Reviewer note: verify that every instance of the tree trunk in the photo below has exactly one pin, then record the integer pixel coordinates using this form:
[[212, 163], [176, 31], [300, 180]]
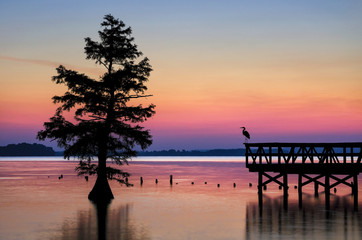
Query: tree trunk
[[101, 192]]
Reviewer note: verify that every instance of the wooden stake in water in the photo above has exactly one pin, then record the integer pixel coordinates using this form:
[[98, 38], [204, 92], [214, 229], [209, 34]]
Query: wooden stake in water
[[171, 180]]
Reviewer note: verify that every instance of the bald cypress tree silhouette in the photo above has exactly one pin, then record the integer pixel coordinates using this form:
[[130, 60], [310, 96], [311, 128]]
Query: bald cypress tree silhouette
[[106, 119]]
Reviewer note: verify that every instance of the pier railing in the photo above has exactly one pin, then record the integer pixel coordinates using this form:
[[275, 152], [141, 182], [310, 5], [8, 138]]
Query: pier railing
[[303, 153]]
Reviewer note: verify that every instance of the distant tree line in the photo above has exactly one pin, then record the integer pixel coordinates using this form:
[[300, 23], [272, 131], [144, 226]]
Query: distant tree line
[[26, 149], [213, 152]]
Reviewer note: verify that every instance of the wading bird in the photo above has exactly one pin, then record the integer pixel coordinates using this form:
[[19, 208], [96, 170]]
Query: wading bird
[[246, 134]]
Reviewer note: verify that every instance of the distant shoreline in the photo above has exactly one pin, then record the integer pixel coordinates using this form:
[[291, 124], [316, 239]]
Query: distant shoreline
[[195, 153], [33, 150]]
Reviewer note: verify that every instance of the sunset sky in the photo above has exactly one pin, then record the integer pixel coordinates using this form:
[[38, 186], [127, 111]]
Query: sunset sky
[[286, 70]]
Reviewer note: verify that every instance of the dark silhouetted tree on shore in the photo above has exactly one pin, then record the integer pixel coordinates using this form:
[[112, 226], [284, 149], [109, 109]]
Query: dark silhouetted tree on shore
[[106, 119]]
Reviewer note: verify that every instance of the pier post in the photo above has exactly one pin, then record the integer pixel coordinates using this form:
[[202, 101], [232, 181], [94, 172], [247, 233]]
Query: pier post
[[316, 185], [327, 191], [355, 191], [171, 180], [260, 189], [285, 190], [300, 190]]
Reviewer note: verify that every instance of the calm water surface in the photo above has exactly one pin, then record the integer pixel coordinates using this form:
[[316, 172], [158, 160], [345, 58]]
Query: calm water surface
[[35, 204]]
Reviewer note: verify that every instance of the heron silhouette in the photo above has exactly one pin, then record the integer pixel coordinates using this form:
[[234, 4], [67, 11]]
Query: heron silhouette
[[246, 134]]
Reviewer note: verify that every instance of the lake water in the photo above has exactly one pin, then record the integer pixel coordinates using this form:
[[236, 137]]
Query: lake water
[[35, 204]]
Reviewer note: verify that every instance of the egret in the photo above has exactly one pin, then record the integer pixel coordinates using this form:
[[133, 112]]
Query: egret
[[246, 134]]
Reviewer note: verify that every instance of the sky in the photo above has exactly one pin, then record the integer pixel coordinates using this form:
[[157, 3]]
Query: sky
[[289, 71]]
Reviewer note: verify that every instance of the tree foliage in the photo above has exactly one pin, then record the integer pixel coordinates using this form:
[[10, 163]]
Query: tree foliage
[[106, 121]]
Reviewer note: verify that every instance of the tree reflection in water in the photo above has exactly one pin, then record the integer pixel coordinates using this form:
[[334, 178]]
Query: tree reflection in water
[[102, 222], [311, 221]]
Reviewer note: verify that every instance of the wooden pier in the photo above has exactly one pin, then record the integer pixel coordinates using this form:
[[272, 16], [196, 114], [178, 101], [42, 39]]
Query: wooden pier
[[339, 163]]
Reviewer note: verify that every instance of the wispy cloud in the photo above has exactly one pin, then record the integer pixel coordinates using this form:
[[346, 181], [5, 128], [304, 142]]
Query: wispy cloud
[[52, 64], [33, 61]]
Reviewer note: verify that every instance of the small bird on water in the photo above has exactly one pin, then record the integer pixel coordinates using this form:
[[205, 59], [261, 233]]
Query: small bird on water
[[246, 134]]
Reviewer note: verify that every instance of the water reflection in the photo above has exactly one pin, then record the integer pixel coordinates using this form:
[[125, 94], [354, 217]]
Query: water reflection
[[311, 221], [103, 222]]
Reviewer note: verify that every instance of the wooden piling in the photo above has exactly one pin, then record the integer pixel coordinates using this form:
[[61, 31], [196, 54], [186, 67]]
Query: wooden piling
[[327, 189], [355, 190], [300, 200], [171, 180], [260, 189], [352, 189], [285, 190], [141, 181], [316, 189]]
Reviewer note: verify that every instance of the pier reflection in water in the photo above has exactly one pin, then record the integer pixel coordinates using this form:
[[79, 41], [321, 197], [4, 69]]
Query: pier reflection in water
[[312, 221]]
